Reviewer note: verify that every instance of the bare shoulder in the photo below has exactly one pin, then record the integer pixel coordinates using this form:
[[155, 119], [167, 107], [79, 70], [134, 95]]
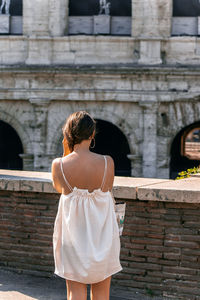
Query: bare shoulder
[[110, 160], [55, 163]]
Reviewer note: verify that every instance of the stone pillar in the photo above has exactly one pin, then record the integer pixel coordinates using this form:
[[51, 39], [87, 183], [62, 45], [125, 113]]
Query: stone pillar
[[58, 17], [151, 22], [150, 52], [36, 17], [136, 165], [151, 18], [28, 161], [41, 159], [149, 139]]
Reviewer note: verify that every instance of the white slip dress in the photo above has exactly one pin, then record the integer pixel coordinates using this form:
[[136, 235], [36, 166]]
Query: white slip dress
[[86, 241]]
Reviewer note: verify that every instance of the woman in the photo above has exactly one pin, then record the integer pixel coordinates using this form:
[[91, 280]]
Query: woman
[[86, 235]]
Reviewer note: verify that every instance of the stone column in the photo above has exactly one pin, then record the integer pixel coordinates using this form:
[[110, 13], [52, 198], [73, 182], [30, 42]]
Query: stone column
[[136, 165], [151, 18], [58, 17], [149, 139], [41, 159], [151, 22], [36, 17], [28, 161]]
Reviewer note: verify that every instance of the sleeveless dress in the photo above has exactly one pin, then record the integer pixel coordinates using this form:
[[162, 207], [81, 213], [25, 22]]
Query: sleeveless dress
[[86, 241]]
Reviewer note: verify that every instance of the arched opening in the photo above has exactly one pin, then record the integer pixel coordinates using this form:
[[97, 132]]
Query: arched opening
[[110, 140], [186, 8], [185, 150], [10, 148]]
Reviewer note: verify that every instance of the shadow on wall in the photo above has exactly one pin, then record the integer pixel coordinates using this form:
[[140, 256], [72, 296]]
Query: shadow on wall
[[10, 148]]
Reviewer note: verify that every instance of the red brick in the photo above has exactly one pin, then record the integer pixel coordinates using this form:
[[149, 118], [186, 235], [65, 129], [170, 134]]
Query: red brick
[[162, 248], [189, 258], [146, 266], [148, 279], [172, 237], [146, 253], [163, 262], [133, 246], [189, 264], [172, 256], [193, 238], [179, 270], [121, 275], [194, 252], [181, 244], [147, 241], [181, 230]]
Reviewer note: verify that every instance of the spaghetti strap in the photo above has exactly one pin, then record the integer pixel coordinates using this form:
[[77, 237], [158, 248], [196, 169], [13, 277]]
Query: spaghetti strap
[[65, 179], [105, 171]]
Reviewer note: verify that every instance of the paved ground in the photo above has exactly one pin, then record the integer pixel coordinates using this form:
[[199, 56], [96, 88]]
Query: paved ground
[[14, 286]]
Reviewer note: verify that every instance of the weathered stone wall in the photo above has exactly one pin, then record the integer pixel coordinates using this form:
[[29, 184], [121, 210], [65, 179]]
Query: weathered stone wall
[[146, 84], [160, 243], [150, 106]]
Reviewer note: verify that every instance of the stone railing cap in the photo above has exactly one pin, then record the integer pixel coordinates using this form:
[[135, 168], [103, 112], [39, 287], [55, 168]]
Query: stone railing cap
[[143, 189]]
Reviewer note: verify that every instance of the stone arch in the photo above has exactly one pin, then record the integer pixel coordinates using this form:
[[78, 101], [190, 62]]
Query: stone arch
[[180, 115], [172, 118], [23, 135], [102, 114], [178, 161], [118, 121], [110, 140]]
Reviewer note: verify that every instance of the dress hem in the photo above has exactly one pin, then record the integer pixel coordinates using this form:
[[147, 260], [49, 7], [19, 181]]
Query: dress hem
[[73, 279]]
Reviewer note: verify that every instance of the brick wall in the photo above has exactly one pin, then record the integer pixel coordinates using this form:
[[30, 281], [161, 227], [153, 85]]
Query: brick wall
[[160, 246], [26, 229]]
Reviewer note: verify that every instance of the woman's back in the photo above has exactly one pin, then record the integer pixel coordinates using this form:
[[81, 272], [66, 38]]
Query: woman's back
[[86, 234], [85, 171]]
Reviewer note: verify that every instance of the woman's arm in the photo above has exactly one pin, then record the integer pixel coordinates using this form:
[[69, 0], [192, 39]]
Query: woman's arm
[[111, 172], [55, 171]]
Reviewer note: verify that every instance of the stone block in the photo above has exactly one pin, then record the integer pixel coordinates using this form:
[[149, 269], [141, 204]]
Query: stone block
[[121, 25], [36, 17], [184, 26], [150, 52], [40, 51], [102, 24], [80, 25], [4, 24], [198, 25], [151, 18], [16, 25]]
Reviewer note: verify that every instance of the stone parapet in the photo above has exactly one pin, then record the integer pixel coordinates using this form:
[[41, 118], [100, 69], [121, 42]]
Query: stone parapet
[[144, 189]]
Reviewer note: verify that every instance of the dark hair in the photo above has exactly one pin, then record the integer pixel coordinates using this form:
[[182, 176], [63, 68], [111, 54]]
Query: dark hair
[[78, 127]]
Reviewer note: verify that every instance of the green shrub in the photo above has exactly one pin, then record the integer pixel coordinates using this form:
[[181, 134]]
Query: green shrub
[[186, 174]]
